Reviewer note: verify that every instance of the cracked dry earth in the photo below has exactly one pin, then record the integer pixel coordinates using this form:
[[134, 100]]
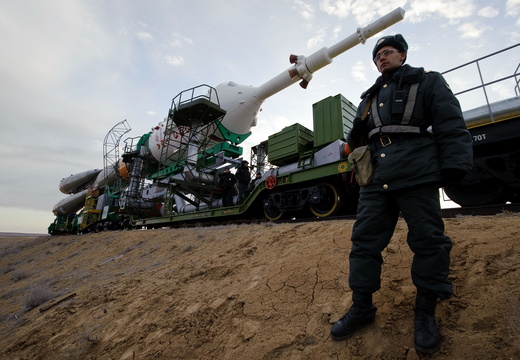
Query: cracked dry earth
[[264, 291]]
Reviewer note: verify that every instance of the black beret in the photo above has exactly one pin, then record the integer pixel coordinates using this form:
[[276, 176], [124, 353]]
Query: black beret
[[397, 41]]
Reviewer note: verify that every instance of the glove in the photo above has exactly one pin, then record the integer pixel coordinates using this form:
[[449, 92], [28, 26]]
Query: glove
[[453, 176], [359, 129]]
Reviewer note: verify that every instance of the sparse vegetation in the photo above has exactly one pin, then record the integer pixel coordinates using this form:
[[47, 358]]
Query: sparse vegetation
[[188, 249], [19, 274], [91, 338], [7, 269], [37, 294]]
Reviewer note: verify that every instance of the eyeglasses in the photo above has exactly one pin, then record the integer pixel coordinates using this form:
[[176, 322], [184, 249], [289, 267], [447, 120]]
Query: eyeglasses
[[384, 53]]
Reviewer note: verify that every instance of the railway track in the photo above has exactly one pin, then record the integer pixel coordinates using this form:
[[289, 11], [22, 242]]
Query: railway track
[[446, 213]]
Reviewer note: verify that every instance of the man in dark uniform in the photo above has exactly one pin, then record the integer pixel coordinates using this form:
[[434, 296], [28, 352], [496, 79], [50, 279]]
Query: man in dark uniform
[[228, 183], [243, 177], [418, 142]]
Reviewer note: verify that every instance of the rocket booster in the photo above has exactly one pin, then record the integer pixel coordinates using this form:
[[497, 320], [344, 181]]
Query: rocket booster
[[243, 103], [70, 204], [96, 178], [77, 182]]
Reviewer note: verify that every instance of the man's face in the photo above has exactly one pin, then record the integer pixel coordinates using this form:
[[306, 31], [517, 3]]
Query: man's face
[[388, 59]]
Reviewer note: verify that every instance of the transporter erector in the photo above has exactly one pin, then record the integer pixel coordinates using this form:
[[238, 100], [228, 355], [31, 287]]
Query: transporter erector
[[171, 174]]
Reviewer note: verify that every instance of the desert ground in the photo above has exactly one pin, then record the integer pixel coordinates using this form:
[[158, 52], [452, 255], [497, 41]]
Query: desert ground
[[255, 291]]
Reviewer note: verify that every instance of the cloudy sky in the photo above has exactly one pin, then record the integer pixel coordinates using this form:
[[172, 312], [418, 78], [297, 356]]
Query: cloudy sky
[[72, 69]]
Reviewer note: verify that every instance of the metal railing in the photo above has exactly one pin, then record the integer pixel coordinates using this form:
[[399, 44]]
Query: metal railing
[[483, 85]]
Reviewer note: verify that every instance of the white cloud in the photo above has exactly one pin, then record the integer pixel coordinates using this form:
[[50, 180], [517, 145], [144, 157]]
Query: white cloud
[[339, 8], [336, 32], [316, 39], [453, 11], [503, 90], [144, 36], [358, 71], [472, 30], [512, 7], [367, 11], [488, 12], [364, 11], [174, 60], [177, 41], [305, 10]]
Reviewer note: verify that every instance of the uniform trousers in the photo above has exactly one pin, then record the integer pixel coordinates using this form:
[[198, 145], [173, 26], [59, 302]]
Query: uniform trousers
[[378, 213]]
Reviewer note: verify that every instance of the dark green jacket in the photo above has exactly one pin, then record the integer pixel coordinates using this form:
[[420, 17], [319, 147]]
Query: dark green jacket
[[410, 160]]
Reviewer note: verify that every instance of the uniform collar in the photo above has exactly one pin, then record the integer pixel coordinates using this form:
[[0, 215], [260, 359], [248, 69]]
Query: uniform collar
[[410, 75]]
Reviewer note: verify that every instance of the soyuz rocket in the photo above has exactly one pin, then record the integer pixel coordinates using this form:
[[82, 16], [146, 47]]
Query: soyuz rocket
[[241, 103]]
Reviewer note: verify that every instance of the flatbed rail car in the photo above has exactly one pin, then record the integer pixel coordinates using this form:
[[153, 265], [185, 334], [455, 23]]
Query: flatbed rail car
[[495, 129]]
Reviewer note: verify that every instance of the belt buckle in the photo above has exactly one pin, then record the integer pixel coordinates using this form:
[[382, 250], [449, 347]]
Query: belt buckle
[[385, 140]]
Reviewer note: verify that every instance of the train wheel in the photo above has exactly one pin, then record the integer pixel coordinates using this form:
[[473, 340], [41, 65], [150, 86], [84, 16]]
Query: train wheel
[[484, 193], [273, 213], [329, 203]]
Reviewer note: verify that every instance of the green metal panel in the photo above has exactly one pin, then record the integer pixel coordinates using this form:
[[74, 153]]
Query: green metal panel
[[142, 141], [332, 117], [169, 170], [208, 157], [231, 136], [229, 149], [314, 173], [285, 146]]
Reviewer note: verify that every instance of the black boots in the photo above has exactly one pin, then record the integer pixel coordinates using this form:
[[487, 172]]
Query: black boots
[[361, 313], [426, 336]]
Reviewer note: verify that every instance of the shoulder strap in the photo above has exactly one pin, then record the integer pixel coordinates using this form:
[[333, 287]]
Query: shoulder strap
[[365, 111], [402, 128], [375, 115], [410, 103]]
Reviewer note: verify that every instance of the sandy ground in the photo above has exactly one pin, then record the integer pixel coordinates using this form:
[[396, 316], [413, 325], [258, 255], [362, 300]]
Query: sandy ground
[[265, 291]]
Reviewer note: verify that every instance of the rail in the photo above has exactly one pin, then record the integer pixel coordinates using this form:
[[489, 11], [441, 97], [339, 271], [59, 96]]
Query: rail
[[483, 85], [198, 92], [517, 87]]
